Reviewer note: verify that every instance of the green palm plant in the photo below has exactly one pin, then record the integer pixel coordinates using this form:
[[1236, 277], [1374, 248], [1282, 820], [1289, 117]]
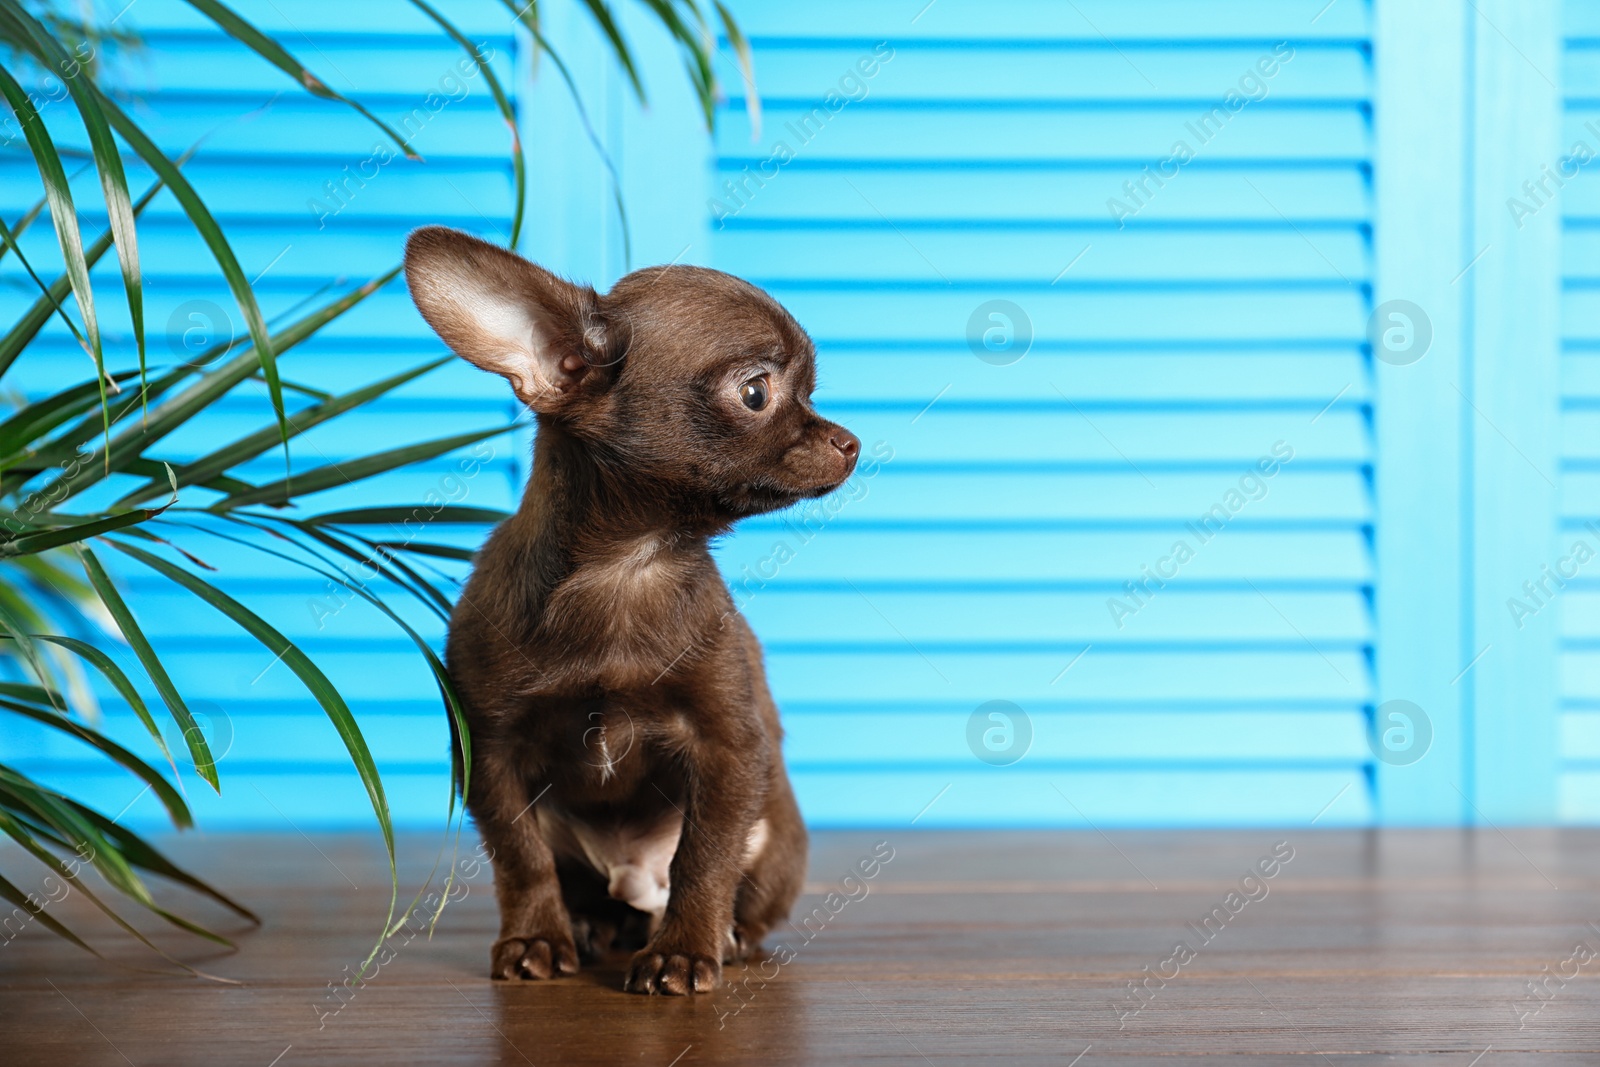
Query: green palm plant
[[82, 473]]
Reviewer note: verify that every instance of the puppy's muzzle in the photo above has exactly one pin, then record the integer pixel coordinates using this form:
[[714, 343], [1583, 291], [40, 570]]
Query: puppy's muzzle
[[840, 453]]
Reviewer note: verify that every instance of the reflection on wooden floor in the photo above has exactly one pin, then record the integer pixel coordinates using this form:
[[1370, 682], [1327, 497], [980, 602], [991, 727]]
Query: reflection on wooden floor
[[1000, 947]]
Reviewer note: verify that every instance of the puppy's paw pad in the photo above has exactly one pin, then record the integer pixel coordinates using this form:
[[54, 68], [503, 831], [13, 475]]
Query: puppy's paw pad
[[672, 973], [533, 957]]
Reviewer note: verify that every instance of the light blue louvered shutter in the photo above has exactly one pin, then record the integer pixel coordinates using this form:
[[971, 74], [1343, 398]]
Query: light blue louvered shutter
[[886, 200], [1169, 356]]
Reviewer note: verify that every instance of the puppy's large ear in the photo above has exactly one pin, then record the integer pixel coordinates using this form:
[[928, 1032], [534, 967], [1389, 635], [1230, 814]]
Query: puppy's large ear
[[502, 313]]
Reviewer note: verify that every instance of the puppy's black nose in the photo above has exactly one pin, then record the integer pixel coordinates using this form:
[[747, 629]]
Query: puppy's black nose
[[846, 442]]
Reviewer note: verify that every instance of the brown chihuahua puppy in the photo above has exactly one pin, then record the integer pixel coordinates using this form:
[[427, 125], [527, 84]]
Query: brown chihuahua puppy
[[625, 752]]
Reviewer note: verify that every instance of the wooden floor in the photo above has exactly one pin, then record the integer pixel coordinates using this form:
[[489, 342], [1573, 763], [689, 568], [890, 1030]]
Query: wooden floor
[[1009, 948]]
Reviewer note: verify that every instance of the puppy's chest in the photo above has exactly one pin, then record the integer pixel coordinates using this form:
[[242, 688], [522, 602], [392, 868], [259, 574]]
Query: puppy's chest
[[631, 575], [619, 747], [636, 599]]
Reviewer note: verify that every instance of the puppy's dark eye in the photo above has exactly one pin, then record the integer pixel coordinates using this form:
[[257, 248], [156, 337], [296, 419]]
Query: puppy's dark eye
[[754, 393]]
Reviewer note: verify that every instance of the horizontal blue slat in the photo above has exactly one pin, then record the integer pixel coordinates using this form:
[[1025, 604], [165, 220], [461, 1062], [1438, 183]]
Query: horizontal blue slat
[[1088, 20], [1046, 71], [1206, 190], [1018, 796], [937, 132], [1139, 256], [1329, 312], [1167, 376]]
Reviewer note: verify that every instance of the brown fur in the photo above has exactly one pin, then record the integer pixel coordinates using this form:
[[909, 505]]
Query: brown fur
[[611, 688]]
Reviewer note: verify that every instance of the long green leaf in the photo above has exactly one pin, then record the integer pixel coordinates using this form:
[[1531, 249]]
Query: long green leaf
[[331, 475], [391, 567], [526, 13], [18, 833], [170, 797], [120, 682], [311, 677], [33, 694], [45, 291], [52, 809], [391, 516], [303, 390], [66, 448], [64, 457], [140, 853], [460, 770], [199, 751], [595, 141], [22, 634], [38, 419], [696, 56], [26, 328], [145, 535], [62, 211], [274, 53], [177, 410], [17, 897], [206, 226], [210, 466], [602, 16], [423, 548], [747, 66], [108, 162], [417, 580], [82, 531], [66, 444]]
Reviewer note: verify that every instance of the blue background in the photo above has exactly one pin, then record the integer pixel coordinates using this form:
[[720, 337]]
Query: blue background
[[1161, 356]]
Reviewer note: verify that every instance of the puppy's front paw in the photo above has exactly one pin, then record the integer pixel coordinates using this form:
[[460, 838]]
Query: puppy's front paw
[[672, 972], [533, 957]]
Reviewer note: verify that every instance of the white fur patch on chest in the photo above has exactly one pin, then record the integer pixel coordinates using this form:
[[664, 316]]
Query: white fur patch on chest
[[635, 861], [633, 567]]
